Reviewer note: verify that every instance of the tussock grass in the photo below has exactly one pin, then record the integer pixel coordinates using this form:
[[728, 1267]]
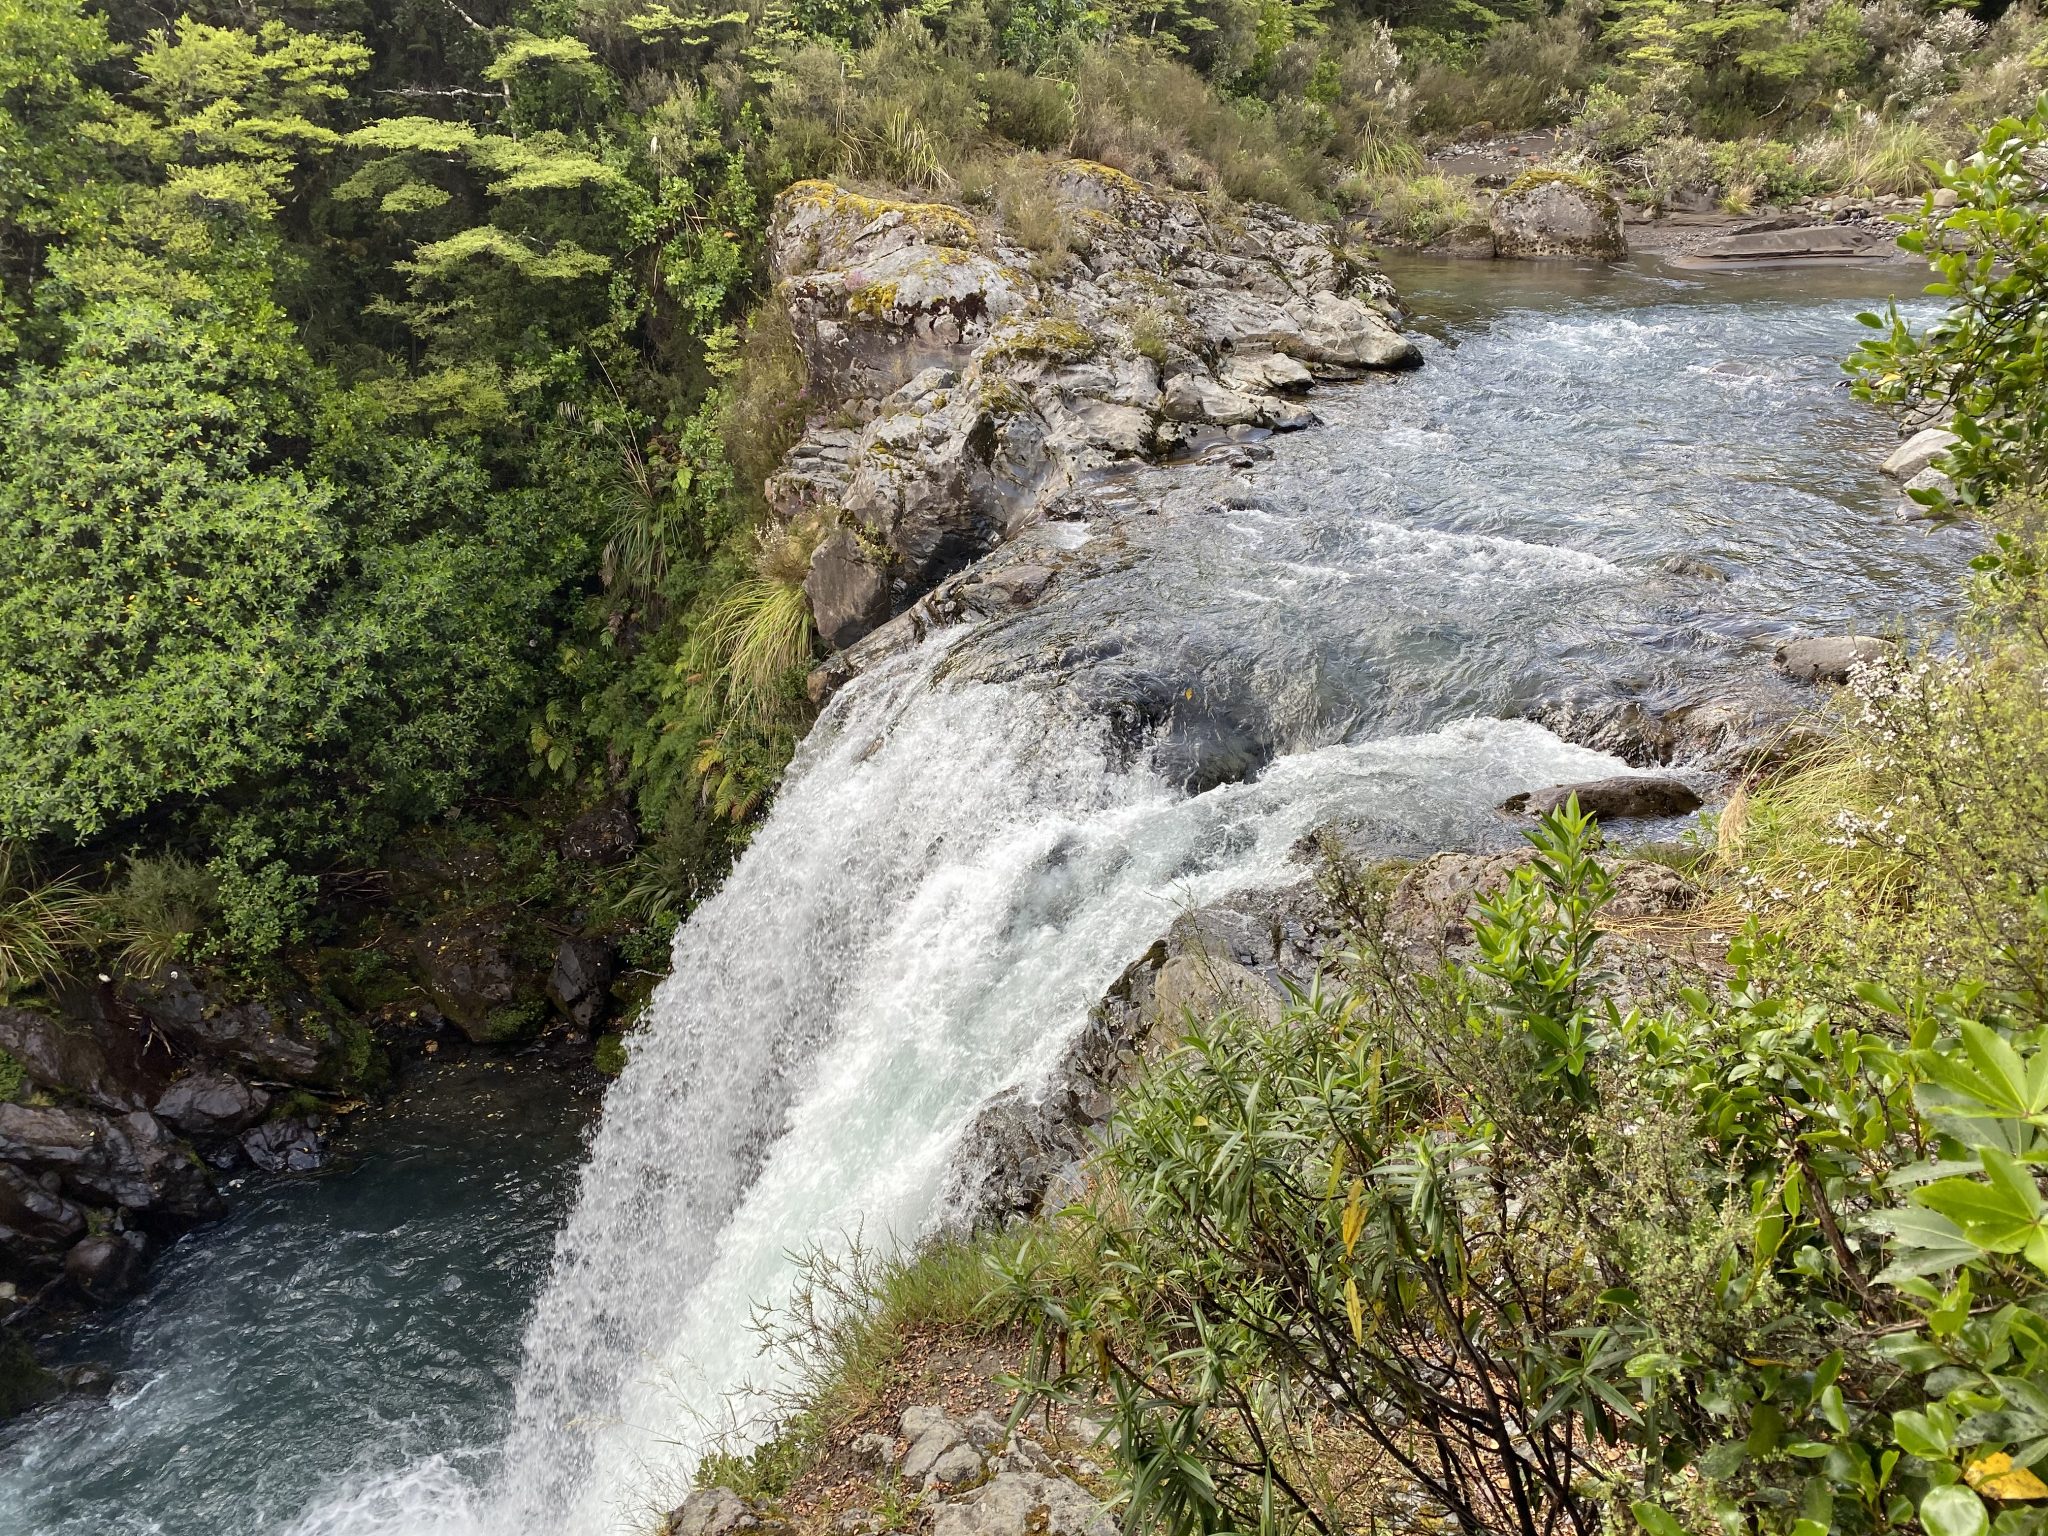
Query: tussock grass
[[854, 1317]]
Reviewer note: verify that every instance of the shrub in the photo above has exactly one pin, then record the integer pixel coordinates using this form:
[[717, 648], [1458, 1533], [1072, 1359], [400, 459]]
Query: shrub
[[44, 924], [1524, 76], [1983, 366], [1028, 110], [1155, 118], [1416, 210], [1877, 156]]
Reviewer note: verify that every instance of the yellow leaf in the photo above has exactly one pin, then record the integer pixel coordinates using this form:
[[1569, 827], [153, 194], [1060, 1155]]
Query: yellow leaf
[[1356, 1309], [1996, 1477], [1354, 1216], [1336, 1170]]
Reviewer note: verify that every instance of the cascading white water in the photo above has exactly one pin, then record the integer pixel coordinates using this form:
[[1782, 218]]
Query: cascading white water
[[948, 882]]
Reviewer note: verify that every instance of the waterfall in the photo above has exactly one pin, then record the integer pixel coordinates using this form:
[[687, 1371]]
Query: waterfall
[[948, 881]]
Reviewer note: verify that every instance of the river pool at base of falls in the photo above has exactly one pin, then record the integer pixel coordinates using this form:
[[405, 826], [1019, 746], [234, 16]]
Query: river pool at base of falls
[[1603, 481]]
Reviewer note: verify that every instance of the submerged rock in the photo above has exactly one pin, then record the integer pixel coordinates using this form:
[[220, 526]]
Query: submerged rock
[[1556, 215]]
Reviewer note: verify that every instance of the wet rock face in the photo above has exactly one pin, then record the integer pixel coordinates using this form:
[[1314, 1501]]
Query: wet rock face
[[1021, 1151], [37, 1226], [581, 980], [243, 1034], [208, 1102], [475, 979], [1557, 217], [982, 392], [97, 1059]]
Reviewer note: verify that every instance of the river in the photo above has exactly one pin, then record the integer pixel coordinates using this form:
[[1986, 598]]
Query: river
[[1603, 481]]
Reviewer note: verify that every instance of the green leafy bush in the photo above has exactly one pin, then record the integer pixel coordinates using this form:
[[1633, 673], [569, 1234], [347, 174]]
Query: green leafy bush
[[1982, 368]]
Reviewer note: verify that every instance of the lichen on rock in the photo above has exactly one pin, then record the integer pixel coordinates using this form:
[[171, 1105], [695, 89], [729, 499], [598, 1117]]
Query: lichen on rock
[[983, 381]]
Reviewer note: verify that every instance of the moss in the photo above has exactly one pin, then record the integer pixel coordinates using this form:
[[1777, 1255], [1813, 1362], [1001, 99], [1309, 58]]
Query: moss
[[510, 1025], [12, 1078], [933, 222], [1545, 176], [1051, 340], [610, 1055], [872, 302], [1107, 176]]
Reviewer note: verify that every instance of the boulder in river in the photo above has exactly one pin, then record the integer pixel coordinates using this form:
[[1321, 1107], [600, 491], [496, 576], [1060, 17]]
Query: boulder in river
[[474, 978], [581, 980], [1804, 243], [1829, 658], [1551, 213], [209, 1102], [107, 1266], [1625, 797], [1918, 452]]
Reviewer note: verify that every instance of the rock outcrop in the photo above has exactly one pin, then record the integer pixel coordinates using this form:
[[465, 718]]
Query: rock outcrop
[[1548, 213], [971, 381], [1829, 658], [1625, 797]]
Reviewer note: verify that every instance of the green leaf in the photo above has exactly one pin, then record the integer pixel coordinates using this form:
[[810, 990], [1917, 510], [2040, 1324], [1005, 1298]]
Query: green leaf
[[1954, 1511]]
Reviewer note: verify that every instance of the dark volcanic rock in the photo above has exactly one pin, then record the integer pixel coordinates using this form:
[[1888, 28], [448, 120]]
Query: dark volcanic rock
[[605, 835], [296, 1145], [36, 1225], [581, 980], [108, 1267], [246, 1034], [99, 1060], [474, 979], [130, 1160], [209, 1102], [1622, 798]]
